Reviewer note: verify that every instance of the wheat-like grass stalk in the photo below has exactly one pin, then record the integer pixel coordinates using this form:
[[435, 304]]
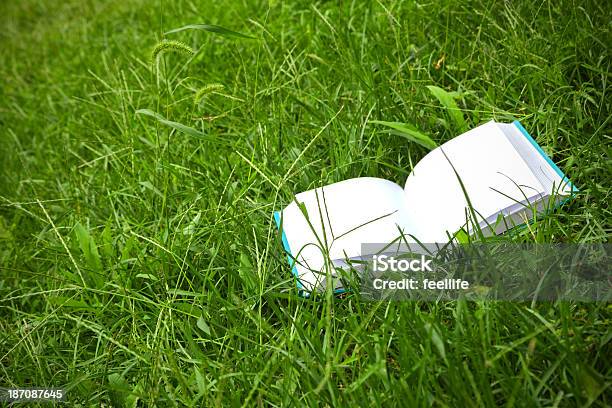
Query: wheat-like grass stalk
[[205, 90], [170, 46]]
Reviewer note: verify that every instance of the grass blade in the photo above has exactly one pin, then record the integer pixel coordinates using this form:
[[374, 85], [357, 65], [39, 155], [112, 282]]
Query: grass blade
[[212, 29], [88, 247], [178, 126], [409, 133], [447, 100]]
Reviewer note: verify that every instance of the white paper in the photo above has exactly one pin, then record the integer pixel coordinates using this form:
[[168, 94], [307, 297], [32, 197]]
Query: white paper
[[494, 176]]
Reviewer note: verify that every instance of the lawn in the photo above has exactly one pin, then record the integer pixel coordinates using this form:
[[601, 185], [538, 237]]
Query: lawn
[[139, 259]]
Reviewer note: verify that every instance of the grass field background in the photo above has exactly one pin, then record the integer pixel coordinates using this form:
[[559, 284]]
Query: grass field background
[[141, 265]]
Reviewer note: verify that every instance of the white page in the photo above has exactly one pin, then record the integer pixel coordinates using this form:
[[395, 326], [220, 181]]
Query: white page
[[344, 216], [552, 182], [485, 161]]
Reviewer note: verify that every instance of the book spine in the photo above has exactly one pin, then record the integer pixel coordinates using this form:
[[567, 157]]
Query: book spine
[[544, 155], [290, 258]]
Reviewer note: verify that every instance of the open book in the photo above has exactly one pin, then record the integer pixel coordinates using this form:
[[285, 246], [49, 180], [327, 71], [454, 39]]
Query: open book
[[489, 179]]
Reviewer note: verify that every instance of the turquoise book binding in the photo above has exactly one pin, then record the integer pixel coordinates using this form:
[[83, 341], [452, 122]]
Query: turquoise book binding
[[290, 258], [544, 155]]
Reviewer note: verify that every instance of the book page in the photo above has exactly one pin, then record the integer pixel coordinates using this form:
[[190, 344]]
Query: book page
[[341, 217], [493, 173], [552, 179]]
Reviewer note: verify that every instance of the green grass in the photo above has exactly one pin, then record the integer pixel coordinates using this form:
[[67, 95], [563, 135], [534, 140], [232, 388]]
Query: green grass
[[141, 264]]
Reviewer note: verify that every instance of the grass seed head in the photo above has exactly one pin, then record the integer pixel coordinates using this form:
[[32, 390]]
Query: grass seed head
[[205, 90], [170, 46]]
